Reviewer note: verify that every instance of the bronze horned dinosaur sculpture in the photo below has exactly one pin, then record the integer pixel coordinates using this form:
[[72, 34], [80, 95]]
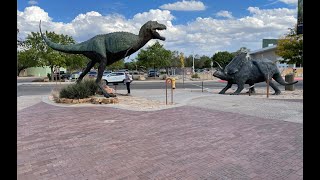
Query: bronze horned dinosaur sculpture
[[244, 70], [106, 49]]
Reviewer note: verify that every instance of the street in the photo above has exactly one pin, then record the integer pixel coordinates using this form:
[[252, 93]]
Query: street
[[43, 89]]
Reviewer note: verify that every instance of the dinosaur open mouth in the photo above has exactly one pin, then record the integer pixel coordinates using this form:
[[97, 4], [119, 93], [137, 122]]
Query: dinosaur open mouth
[[156, 34]]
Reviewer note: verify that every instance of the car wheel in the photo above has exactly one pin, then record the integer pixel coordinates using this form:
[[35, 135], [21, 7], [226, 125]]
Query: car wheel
[[106, 82]]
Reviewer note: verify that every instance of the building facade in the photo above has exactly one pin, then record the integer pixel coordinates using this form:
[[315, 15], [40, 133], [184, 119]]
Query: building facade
[[38, 71]]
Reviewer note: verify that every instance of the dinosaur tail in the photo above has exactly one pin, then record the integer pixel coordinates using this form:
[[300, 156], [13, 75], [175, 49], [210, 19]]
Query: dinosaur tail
[[73, 49], [277, 77]]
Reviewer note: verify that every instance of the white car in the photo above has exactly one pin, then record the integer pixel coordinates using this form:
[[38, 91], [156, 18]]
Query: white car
[[114, 77], [75, 75]]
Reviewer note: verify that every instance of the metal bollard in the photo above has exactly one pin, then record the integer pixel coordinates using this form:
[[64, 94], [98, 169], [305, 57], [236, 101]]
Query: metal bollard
[[202, 86]]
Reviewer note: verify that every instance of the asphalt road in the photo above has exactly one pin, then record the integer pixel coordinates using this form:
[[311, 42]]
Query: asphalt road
[[36, 89]]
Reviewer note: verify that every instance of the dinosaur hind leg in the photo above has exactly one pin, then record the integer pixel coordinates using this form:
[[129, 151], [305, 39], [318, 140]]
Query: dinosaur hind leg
[[239, 89], [101, 68], [90, 64]]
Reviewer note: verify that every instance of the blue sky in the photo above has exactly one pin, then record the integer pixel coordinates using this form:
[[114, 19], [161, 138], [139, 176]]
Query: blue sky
[[194, 27]]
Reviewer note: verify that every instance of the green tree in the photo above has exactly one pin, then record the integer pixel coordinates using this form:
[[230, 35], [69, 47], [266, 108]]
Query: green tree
[[117, 65], [132, 65], [26, 59], [154, 56], [202, 62], [206, 61], [290, 48], [188, 61], [76, 62], [223, 58], [44, 54], [25, 56], [176, 59]]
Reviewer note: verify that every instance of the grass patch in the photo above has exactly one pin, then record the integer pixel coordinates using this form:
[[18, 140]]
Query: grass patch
[[84, 89], [195, 75]]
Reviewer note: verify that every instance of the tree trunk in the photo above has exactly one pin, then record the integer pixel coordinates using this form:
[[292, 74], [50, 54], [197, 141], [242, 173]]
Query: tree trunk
[[20, 69], [51, 68]]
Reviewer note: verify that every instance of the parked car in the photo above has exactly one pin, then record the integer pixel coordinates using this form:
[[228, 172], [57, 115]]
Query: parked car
[[106, 73], [122, 70], [114, 77], [61, 75], [65, 76], [75, 75], [92, 74], [153, 73]]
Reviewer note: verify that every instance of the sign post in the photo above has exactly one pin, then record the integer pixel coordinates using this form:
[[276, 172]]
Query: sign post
[[169, 81]]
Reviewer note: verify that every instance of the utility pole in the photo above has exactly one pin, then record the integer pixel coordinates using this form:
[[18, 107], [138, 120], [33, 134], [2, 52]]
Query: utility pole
[[193, 63], [182, 67], [211, 64]]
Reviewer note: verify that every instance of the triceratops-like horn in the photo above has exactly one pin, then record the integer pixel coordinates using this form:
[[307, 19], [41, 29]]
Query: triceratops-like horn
[[218, 65]]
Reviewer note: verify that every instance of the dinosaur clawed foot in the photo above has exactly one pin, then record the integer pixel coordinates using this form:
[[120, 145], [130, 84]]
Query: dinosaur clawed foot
[[277, 93]]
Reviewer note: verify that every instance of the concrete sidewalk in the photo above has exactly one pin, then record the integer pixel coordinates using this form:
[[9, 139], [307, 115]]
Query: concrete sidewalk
[[202, 136]]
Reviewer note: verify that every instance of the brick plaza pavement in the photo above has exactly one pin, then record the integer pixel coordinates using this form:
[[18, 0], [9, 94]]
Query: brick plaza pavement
[[180, 143]]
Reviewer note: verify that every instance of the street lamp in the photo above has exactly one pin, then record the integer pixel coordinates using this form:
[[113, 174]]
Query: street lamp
[[154, 65], [193, 62], [211, 64]]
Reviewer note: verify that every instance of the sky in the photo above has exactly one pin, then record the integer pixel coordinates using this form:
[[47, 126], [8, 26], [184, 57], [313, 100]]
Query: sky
[[202, 27]]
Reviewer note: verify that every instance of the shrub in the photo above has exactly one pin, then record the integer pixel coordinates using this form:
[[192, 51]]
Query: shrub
[[195, 75], [80, 90]]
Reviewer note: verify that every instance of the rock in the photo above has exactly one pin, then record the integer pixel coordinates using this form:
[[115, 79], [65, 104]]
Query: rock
[[106, 101], [75, 101], [65, 100], [114, 100], [142, 78], [85, 100], [163, 76], [110, 100], [96, 100], [109, 90]]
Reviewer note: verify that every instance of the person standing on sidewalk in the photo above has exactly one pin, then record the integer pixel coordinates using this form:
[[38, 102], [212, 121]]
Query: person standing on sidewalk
[[128, 80]]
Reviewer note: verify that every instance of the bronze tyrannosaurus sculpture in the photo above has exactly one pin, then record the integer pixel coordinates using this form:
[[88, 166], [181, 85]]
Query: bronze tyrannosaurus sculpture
[[106, 49]]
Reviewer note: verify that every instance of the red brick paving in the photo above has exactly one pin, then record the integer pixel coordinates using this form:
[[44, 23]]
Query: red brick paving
[[180, 143]]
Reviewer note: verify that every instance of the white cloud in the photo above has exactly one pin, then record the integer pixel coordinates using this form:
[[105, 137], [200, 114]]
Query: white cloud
[[291, 2], [226, 14], [161, 16], [34, 13], [185, 6], [32, 2], [204, 35]]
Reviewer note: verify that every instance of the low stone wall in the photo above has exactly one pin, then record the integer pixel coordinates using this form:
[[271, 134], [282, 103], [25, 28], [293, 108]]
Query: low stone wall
[[298, 73], [138, 77], [93, 100]]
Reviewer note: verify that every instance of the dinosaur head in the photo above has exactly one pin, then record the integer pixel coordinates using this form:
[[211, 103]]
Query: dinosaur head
[[221, 75], [149, 30]]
